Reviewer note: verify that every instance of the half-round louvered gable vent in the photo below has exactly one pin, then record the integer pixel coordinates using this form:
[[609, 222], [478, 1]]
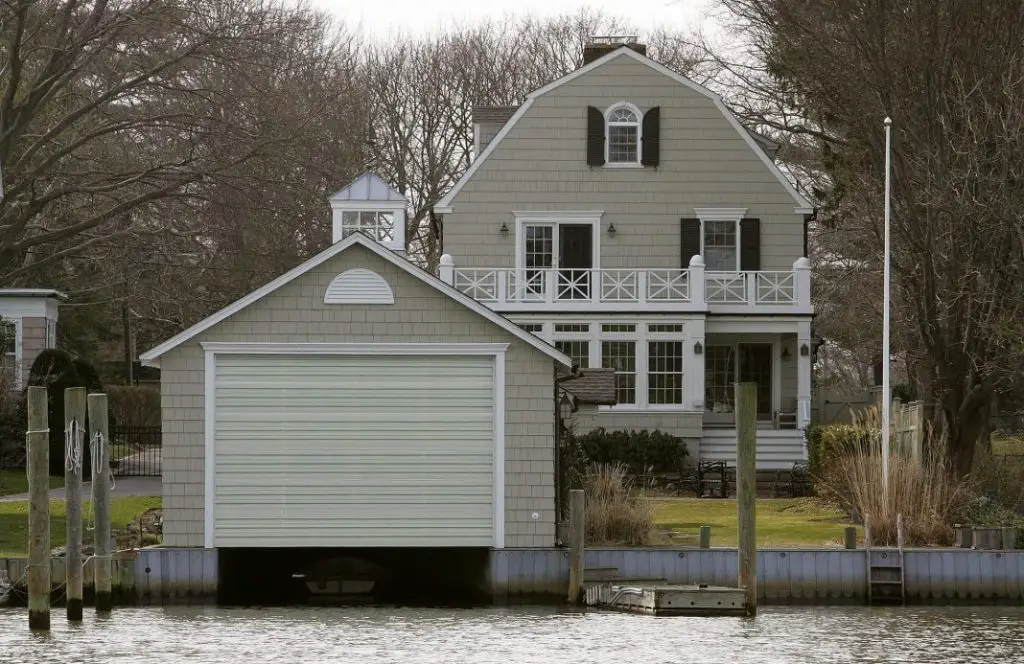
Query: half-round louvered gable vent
[[359, 286]]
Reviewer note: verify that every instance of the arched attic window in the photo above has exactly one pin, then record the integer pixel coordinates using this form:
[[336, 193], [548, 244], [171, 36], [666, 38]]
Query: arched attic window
[[623, 138]]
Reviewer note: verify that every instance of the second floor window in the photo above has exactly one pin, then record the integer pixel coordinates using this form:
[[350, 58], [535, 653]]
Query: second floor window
[[379, 226], [623, 136], [720, 246]]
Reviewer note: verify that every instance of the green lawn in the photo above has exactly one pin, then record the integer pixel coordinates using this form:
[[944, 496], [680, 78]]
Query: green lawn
[[15, 481], [14, 521], [1008, 445], [781, 522]]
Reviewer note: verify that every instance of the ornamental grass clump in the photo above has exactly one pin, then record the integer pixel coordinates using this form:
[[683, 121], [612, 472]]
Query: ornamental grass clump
[[617, 511]]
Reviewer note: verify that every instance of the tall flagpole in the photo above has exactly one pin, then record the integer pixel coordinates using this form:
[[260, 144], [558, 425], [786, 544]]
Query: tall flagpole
[[886, 387]]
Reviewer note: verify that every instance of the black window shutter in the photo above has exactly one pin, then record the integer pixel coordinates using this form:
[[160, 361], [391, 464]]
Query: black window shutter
[[651, 154], [595, 136], [750, 244], [689, 240]]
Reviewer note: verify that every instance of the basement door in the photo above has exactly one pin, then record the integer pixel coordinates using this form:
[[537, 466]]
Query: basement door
[[353, 451]]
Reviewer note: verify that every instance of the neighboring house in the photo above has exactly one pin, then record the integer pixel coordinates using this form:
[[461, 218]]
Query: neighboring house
[[623, 214], [28, 326]]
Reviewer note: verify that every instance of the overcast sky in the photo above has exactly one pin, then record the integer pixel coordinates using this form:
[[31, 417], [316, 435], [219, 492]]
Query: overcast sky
[[379, 17]]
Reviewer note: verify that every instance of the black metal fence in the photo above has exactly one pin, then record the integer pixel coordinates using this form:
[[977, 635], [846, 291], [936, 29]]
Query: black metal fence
[[135, 451]]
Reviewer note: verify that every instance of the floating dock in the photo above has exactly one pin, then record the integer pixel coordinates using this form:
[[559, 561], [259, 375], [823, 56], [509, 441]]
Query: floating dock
[[667, 600]]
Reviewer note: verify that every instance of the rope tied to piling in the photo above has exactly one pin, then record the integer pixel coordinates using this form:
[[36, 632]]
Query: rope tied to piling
[[74, 436]]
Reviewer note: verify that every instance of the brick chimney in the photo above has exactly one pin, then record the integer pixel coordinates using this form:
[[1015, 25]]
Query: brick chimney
[[598, 46]]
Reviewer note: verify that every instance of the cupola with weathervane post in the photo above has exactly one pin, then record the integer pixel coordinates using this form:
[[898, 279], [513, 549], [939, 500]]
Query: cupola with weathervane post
[[369, 206]]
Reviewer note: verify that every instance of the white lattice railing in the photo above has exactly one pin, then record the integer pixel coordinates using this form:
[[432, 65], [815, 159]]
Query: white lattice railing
[[655, 289], [557, 285], [750, 288]]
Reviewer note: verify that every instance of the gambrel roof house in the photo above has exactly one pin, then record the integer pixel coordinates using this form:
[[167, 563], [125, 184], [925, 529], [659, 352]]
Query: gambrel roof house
[[620, 221]]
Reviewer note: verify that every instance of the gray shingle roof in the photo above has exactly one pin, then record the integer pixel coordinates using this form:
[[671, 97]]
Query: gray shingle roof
[[368, 187]]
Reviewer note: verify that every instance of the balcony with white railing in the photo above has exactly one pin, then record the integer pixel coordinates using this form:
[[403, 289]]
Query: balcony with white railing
[[634, 289]]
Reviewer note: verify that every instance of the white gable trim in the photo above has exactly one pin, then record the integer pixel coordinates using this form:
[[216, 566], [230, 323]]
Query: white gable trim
[[152, 357], [802, 205], [359, 286]]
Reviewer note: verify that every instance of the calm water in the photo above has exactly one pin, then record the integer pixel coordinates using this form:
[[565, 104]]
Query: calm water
[[520, 635]]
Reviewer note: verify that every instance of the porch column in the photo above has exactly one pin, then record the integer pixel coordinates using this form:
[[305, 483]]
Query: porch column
[[803, 376], [694, 371], [446, 269]]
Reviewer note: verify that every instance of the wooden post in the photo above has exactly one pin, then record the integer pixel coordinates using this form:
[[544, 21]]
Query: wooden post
[[577, 529], [37, 440], [74, 434], [899, 531], [705, 537], [99, 428], [746, 490], [851, 537]]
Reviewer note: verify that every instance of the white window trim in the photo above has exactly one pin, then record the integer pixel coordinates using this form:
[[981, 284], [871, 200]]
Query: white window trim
[[18, 350], [51, 333], [720, 214], [639, 135], [524, 219], [212, 349], [397, 208]]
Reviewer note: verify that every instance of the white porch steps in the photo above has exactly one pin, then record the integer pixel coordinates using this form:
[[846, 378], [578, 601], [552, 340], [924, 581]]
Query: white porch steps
[[777, 449]]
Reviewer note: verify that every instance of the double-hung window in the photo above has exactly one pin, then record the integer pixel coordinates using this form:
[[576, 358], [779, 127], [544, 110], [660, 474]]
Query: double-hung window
[[9, 370], [573, 340], [623, 138], [721, 246]]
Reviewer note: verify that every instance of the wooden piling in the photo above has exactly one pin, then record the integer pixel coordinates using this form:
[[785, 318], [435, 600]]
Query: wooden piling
[[705, 537], [899, 531], [99, 429], [577, 529], [37, 440], [74, 434], [867, 531], [746, 490], [850, 537]]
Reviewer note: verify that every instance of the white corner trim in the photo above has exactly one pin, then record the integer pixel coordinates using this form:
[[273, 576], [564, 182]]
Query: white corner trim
[[209, 431], [359, 286], [284, 348], [720, 214], [499, 451], [801, 203], [152, 357]]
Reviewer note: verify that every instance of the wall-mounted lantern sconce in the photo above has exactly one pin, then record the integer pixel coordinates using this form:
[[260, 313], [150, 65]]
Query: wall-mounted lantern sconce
[[698, 348], [785, 352], [805, 350], [611, 230], [503, 230]]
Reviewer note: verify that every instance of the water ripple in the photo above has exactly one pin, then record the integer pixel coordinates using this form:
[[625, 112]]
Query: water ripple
[[518, 635]]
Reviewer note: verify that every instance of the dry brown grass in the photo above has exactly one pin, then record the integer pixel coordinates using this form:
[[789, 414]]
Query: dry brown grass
[[618, 512], [927, 495]]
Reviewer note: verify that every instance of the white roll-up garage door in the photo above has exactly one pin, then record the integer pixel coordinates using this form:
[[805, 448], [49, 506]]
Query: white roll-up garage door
[[353, 450]]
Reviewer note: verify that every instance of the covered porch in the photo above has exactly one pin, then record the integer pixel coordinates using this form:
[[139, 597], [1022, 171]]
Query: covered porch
[[775, 355]]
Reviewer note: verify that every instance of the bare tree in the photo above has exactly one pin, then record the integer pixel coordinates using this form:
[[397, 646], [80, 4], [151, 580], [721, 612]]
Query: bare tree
[[951, 75], [111, 108]]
